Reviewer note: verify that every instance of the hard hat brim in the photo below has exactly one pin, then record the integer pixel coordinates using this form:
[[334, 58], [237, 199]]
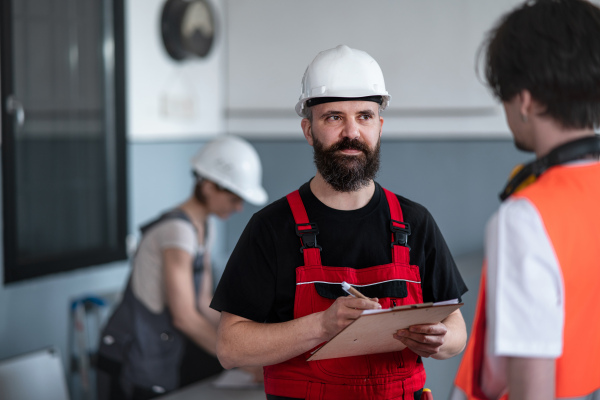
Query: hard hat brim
[[256, 196], [301, 106]]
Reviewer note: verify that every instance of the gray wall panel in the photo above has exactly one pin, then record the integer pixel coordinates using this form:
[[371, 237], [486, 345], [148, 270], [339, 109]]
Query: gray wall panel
[[458, 181]]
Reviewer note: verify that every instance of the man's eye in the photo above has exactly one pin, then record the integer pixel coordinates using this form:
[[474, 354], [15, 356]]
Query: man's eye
[[366, 116], [334, 118]]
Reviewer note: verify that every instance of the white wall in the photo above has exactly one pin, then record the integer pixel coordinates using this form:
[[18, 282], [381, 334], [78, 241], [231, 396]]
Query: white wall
[[426, 49], [169, 99]]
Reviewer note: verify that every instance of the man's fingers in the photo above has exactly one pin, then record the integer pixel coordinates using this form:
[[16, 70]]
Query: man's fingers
[[421, 349], [430, 329], [422, 344], [431, 340], [361, 304]]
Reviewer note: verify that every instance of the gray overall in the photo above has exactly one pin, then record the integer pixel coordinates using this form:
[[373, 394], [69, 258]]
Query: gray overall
[[140, 352]]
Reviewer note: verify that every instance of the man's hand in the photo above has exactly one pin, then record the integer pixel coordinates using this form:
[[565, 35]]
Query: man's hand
[[242, 342], [424, 340], [342, 312]]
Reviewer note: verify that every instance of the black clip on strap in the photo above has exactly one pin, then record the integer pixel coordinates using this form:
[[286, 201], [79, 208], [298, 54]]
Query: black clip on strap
[[401, 234], [308, 236]]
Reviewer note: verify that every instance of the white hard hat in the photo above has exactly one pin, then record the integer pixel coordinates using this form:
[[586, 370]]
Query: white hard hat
[[342, 72], [232, 163]]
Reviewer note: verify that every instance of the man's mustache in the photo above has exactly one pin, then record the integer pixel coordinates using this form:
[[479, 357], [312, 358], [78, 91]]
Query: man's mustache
[[349, 144]]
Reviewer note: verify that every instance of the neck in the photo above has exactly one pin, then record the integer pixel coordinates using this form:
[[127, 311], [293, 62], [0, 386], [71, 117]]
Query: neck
[[196, 211], [550, 135], [341, 200]]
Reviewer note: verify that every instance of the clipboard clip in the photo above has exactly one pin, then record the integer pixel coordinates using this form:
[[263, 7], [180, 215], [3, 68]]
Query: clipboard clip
[[411, 306], [401, 232]]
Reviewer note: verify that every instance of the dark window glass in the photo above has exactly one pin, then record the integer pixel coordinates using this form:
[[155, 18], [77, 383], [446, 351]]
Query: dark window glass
[[63, 135]]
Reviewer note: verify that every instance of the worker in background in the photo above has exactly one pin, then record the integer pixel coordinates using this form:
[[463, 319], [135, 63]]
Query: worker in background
[[537, 324], [340, 226], [151, 344]]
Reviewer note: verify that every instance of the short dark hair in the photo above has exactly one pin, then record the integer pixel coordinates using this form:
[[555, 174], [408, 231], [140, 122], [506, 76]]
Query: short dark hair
[[198, 188], [199, 181], [552, 49]]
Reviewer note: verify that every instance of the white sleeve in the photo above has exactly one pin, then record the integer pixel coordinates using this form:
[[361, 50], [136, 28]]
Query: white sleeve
[[525, 304], [178, 234]]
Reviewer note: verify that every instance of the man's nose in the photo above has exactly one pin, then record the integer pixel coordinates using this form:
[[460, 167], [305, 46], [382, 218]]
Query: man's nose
[[351, 129]]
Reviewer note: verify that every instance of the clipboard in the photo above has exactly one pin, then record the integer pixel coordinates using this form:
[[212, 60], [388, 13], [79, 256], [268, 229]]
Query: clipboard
[[373, 332]]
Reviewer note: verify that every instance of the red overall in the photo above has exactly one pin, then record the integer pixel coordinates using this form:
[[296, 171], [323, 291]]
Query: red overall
[[394, 375]]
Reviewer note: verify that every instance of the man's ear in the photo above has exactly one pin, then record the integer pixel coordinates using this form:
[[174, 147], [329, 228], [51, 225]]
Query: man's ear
[[525, 103], [307, 130]]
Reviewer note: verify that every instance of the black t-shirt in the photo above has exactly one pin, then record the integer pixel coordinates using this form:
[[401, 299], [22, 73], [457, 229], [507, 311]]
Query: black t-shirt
[[259, 281]]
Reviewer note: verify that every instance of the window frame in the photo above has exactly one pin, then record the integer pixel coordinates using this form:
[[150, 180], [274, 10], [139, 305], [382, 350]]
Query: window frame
[[14, 269]]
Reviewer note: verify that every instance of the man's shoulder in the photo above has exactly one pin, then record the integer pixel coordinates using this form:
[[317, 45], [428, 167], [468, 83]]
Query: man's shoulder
[[277, 208], [168, 225], [274, 209], [275, 215], [272, 220], [412, 209]]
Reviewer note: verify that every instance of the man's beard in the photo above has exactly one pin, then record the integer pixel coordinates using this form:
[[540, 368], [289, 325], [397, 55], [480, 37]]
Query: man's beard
[[347, 173]]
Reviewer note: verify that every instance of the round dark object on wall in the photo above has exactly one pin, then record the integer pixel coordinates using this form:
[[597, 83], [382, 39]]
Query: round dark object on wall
[[188, 28]]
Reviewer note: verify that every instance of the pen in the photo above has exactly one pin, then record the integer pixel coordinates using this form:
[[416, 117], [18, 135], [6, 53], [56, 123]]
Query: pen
[[353, 292]]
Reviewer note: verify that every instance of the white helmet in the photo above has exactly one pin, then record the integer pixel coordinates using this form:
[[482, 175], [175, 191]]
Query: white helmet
[[342, 72], [232, 163]]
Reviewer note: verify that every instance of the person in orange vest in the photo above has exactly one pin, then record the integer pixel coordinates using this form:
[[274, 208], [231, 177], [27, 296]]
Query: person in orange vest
[[537, 322], [280, 295]]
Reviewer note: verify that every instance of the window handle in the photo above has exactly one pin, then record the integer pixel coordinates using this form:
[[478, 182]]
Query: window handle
[[14, 106]]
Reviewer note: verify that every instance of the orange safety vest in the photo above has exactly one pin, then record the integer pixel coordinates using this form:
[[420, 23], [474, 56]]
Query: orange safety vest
[[568, 201]]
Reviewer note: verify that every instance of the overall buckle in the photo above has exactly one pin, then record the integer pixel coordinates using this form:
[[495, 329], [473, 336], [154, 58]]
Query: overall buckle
[[401, 232], [308, 234]]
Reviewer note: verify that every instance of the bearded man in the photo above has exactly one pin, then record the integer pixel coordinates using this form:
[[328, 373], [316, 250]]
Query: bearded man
[[280, 295]]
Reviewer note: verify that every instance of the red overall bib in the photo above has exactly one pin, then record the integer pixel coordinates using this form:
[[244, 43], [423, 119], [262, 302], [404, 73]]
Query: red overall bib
[[377, 376]]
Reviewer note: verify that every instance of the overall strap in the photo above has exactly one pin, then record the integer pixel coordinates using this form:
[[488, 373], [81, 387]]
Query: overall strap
[[306, 230], [177, 213], [400, 230], [173, 214]]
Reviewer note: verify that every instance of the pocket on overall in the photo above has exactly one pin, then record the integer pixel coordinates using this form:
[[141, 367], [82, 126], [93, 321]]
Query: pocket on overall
[[373, 365], [115, 341], [369, 366], [390, 293], [156, 361]]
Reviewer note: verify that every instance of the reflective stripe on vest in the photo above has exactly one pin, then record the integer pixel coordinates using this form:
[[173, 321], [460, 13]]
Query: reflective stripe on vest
[[567, 199]]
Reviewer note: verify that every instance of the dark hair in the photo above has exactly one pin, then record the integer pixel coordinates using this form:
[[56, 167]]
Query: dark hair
[[199, 181], [552, 49], [198, 188]]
